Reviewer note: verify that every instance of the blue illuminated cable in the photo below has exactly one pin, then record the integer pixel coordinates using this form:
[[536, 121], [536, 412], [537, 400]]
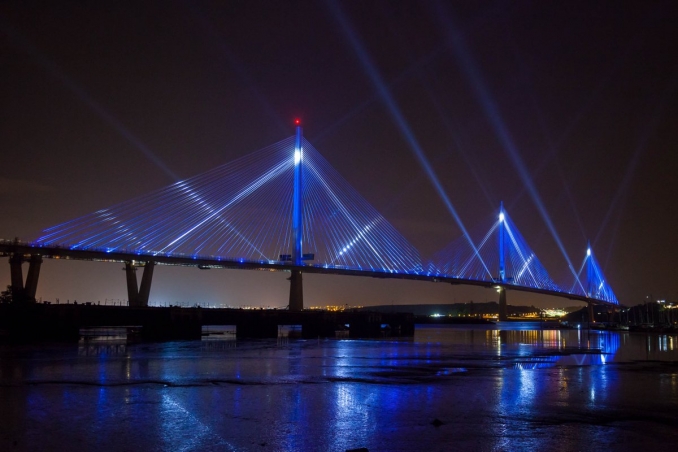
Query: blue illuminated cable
[[241, 210]]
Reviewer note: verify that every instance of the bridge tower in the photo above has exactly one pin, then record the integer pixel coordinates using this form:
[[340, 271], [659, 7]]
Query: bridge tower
[[589, 282], [503, 314], [296, 302], [589, 271]]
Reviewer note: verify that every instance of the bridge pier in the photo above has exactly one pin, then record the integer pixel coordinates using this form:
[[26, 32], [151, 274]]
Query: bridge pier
[[33, 275], [132, 288], [139, 296], [145, 289], [20, 291], [592, 318], [503, 311], [296, 291], [17, 276]]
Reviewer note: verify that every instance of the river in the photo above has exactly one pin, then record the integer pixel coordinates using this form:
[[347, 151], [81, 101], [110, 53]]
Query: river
[[448, 388]]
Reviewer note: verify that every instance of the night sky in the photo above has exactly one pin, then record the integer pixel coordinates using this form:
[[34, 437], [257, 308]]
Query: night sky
[[569, 105]]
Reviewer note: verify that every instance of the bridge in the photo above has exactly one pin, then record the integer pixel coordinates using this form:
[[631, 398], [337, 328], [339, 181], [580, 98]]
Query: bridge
[[285, 208]]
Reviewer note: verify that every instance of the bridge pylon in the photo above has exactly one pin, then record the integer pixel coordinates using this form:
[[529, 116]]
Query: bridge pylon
[[296, 302], [591, 283], [589, 271], [503, 311]]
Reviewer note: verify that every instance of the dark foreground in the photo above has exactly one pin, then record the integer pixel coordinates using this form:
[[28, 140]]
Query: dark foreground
[[451, 388], [22, 322]]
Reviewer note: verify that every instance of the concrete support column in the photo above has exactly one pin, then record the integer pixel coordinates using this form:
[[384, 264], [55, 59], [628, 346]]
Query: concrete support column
[[503, 311], [296, 291], [592, 317], [17, 277], [145, 290], [33, 275], [132, 287]]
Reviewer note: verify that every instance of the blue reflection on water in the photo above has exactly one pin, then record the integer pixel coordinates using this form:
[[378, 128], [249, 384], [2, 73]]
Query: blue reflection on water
[[491, 388], [182, 430]]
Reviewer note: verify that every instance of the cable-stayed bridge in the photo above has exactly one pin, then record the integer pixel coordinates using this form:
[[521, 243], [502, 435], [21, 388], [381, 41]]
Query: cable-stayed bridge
[[284, 207]]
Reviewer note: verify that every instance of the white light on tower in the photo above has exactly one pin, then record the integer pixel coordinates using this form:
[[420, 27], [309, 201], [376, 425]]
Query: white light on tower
[[501, 217], [588, 252]]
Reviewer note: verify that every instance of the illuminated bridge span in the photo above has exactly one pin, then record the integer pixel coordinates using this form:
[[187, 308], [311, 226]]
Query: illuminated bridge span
[[285, 208]]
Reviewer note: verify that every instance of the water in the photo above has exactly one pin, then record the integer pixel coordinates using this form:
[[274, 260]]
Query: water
[[449, 388]]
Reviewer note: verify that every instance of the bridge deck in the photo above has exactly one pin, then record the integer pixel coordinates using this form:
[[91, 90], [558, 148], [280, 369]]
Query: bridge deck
[[55, 252]]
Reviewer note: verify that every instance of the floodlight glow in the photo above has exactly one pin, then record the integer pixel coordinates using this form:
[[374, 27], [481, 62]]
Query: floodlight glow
[[501, 217], [398, 118], [492, 112], [588, 252], [297, 156]]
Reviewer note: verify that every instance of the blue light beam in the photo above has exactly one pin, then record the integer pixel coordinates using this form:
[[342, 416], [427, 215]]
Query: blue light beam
[[397, 116], [52, 68], [491, 110]]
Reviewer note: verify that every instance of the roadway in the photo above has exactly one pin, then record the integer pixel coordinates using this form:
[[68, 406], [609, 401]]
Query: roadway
[[8, 247]]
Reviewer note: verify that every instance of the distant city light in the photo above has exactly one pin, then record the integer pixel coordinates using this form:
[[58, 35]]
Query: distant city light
[[334, 308], [554, 312]]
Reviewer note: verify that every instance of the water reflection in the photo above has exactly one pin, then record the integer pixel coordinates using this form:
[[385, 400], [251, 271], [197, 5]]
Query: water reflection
[[535, 349], [218, 333], [491, 389], [351, 409], [85, 349], [182, 430]]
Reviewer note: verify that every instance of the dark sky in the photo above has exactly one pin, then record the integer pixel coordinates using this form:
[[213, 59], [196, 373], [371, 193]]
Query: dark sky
[[571, 105]]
